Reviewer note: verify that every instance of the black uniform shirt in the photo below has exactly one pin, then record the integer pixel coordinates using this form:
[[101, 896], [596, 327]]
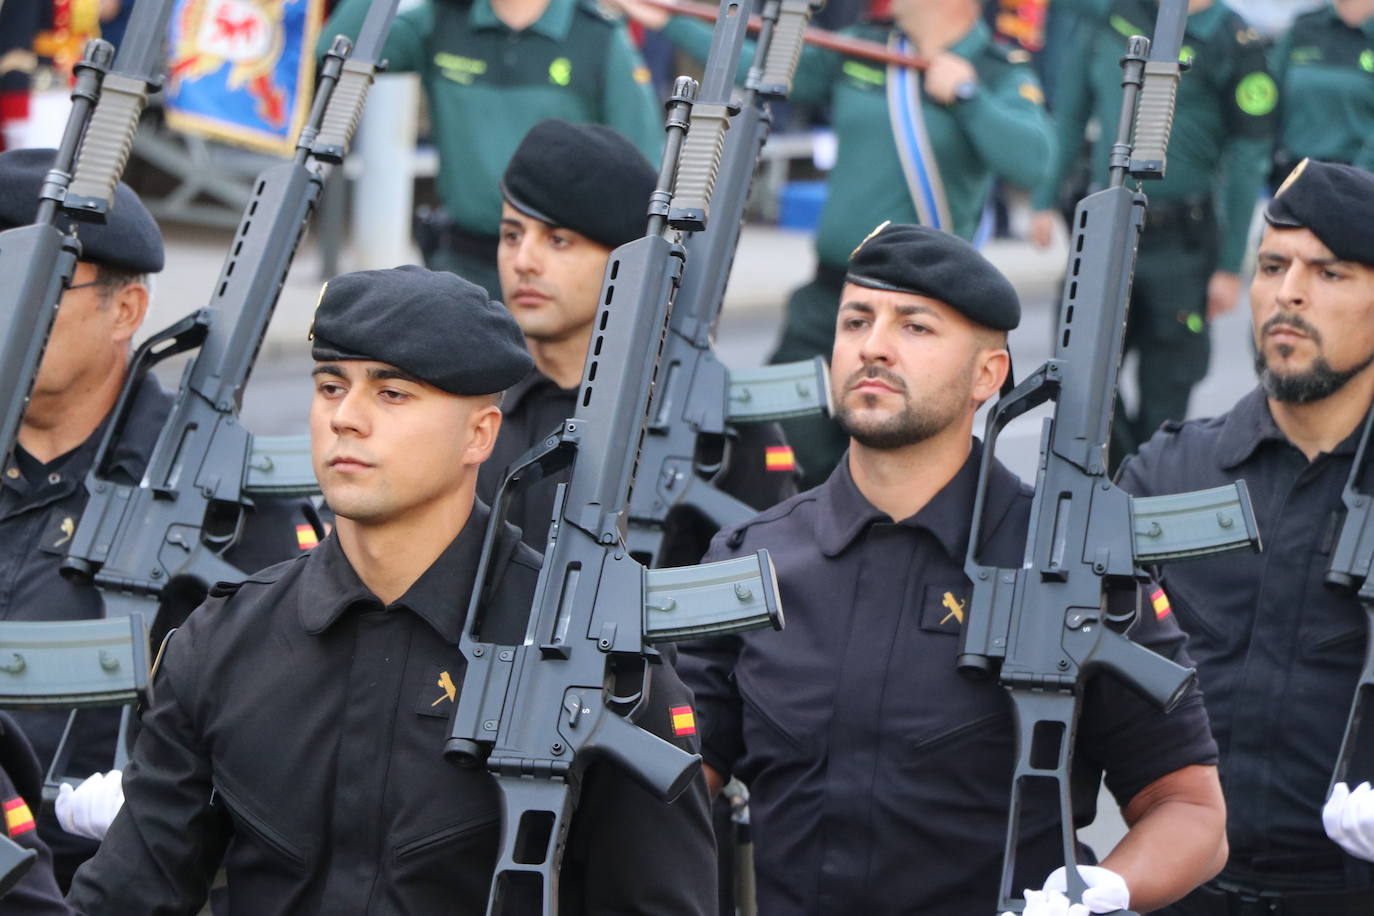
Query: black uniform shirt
[[879, 777], [1278, 650], [536, 407], [21, 787], [312, 718], [40, 507]]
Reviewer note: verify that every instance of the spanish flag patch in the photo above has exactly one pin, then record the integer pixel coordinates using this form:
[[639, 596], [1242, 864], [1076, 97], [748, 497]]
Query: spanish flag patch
[[306, 537], [779, 458], [18, 817], [684, 721], [1160, 601]]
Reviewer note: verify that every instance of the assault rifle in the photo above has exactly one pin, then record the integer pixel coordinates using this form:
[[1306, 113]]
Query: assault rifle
[[1351, 562], [1045, 627], [536, 713], [698, 400]]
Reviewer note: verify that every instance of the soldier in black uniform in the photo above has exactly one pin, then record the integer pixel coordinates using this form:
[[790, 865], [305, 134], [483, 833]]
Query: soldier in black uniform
[[879, 777], [21, 794], [1278, 649], [299, 719], [43, 492], [571, 194]]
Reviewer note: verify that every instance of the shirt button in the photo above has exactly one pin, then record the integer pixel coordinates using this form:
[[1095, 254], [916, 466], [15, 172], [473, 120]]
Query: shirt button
[[12, 473], [54, 477]]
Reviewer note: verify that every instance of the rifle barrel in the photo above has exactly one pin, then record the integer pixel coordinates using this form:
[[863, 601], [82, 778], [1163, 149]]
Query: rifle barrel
[[821, 38]]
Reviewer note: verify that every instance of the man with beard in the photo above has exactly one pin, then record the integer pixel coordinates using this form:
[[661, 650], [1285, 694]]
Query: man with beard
[[1278, 649], [879, 778]]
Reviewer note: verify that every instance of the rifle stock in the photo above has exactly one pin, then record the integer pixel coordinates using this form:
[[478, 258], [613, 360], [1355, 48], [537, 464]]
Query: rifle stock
[[1044, 627]]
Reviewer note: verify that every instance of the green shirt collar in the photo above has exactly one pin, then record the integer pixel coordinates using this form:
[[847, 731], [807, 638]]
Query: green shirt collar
[[1367, 27], [554, 24], [1204, 23]]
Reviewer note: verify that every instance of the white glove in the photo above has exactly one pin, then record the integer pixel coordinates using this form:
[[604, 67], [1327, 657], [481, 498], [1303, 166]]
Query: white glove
[[1106, 893], [88, 809], [1349, 819]]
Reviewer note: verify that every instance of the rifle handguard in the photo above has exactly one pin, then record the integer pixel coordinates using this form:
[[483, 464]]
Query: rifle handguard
[[698, 165], [344, 111], [1154, 119], [105, 149], [785, 47], [711, 599]]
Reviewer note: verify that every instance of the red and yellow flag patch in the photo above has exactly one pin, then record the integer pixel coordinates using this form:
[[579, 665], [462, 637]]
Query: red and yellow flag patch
[[18, 817], [1160, 602], [306, 537], [684, 720], [779, 458]]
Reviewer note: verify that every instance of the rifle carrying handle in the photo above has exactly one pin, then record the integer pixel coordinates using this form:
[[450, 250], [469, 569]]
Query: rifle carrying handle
[[1154, 118], [345, 110], [785, 47], [106, 147], [698, 165]]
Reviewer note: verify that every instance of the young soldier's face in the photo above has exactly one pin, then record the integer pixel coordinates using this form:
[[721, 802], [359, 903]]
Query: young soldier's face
[[1313, 316], [907, 367], [550, 277], [384, 443]]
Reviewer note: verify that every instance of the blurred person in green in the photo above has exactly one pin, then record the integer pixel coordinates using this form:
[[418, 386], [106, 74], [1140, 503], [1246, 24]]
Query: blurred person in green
[[1324, 65], [491, 70], [1189, 261], [914, 147]]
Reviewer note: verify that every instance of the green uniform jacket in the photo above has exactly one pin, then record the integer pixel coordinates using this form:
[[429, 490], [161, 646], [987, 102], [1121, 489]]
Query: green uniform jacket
[[1325, 72], [1223, 123], [1002, 132], [488, 85]]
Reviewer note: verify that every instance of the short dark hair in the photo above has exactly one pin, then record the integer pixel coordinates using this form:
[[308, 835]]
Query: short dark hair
[[115, 278]]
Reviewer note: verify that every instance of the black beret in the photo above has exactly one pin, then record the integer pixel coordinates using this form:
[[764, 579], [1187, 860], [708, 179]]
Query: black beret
[[432, 324], [583, 177], [1335, 202], [935, 264], [129, 239]]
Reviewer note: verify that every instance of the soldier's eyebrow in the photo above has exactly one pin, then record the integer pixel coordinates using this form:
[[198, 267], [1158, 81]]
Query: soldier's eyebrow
[[383, 373], [861, 307], [328, 369]]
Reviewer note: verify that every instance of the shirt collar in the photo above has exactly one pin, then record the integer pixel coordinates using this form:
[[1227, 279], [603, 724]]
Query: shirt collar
[[554, 23], [330, 586], [1250, 424], [1203, 24], [536, 381], [844, 513]]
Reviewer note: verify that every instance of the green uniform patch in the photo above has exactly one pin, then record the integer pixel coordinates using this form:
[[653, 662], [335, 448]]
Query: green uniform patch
[[1256, 94]]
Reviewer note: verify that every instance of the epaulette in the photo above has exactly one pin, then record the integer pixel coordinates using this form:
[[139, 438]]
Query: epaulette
[[597, 11], [262, 577], [735, 536]]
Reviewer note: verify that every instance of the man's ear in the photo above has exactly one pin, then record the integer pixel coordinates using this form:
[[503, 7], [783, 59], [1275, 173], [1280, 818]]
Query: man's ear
[[990, 371], [484, 425], [130, 304]]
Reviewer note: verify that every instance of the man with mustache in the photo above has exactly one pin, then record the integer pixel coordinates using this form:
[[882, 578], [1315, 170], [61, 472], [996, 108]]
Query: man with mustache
[[879, 777], [571, 194], [1278, 649], [297, 729]]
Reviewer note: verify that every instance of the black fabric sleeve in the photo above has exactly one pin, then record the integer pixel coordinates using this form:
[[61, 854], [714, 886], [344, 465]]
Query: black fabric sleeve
[[167, 841], [1133, 741], [630, 853], [36, 894]]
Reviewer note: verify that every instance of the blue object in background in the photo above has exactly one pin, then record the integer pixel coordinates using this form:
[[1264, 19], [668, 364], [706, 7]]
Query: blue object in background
[[799, 204]]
